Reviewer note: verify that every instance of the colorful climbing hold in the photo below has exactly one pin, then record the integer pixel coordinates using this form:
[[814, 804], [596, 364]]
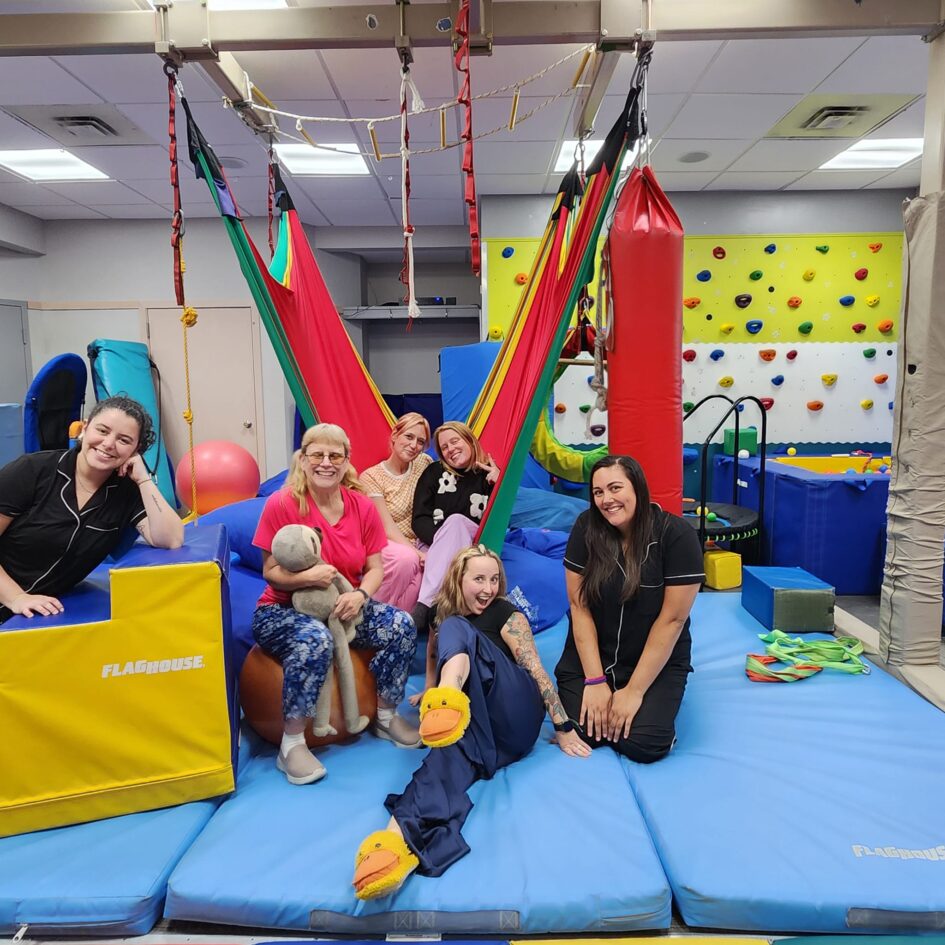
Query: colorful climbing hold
[[521, 278], [874, 247], [726, 381], [815, 405], [890, 405], [717, 354], [861, 274], [805, 328], [792, 354], [869, 353], [767, 402], [885, 326], [829, 379], [823, 249], [743, 300], [771, 248], [858, 327], [809, 275], [689, 354], [508, 252], [754, 326], [584, 408], [598, 429], [846, 299], [560, 408], [496, 333], [726, 328], [777, 380], [767, 354], [718, 252], [792, 451], [687, 406], [755, 275], [692, 301], [704, 275], [794, 301], [866, 404], [872, 301], [590, 380], [880, 378]]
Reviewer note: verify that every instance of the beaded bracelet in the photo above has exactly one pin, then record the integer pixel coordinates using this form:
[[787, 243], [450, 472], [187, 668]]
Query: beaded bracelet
[[595, 680]]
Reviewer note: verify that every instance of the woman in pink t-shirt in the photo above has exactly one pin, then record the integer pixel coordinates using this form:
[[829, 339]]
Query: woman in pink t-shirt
[[319, 492]]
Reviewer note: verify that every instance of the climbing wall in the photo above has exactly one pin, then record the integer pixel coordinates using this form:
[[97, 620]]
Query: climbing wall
[[773, 316], [574, 395]]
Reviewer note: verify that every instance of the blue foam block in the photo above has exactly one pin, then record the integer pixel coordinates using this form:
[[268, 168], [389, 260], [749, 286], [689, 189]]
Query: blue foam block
[[769, 595], [107, 877], [813, 806], [544, 858]]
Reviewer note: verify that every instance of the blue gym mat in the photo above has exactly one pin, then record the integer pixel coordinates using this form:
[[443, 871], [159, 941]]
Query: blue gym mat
[[558, 845], [813, 806], [102, 878]]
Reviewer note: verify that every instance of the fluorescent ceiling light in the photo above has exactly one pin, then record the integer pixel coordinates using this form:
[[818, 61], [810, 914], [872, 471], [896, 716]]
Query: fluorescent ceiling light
[[340, 161], [591, 147], [246, 4], [875, 154], [48, 164]]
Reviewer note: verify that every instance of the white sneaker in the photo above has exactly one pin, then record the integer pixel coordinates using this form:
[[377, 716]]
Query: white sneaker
[[300, 766], [399, 731]]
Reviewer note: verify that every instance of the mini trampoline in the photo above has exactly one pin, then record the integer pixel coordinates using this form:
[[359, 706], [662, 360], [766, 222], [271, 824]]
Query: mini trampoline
[[731, 522]]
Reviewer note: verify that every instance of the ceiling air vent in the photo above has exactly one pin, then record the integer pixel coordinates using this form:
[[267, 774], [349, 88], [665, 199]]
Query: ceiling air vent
[[85, 127], [79, 125], [839, 116]]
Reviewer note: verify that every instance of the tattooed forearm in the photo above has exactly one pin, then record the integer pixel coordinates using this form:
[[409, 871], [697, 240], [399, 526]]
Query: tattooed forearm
[[518, 635]]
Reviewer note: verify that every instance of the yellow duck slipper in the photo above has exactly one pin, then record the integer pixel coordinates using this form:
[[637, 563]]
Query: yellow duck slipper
[[444, 716], [381, 865]]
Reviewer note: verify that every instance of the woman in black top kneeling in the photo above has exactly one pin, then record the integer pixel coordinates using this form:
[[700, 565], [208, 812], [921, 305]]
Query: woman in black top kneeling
[[632, 573], [62, 512], [484, 714]]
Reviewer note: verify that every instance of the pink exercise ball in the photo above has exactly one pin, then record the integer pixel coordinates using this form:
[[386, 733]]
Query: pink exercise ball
[[225, 473]]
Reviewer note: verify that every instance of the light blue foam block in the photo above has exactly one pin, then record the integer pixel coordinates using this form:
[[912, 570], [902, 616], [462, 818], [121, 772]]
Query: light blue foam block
[[812, 806]]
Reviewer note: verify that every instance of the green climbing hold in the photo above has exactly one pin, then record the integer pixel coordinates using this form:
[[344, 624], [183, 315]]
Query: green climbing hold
[[869, 353], [805, 328], [824, 249], [584, 408], [687, 406], [755, 275]]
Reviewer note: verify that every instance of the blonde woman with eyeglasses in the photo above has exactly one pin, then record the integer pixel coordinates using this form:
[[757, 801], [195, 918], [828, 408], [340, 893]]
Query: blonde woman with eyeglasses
[[321, 492]]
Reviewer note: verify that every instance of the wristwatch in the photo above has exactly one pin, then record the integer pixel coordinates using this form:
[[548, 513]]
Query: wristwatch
[[362, 592], [566, 726]]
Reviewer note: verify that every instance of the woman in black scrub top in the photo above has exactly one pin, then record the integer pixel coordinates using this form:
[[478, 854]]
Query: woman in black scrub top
[[632, 573], [62, 512]]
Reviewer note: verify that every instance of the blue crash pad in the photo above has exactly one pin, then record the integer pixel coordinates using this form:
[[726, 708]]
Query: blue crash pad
[[813, 806], [557, 843]]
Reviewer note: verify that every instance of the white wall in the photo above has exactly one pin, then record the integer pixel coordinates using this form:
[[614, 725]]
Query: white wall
[[431, 279]]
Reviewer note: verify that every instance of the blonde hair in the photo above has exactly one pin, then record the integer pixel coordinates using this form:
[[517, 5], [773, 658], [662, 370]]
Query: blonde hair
[[450, 600], [469, 438], [408, 420], [332, 435]]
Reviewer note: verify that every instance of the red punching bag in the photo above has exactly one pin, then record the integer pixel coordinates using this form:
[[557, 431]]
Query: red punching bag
[[644, 391]]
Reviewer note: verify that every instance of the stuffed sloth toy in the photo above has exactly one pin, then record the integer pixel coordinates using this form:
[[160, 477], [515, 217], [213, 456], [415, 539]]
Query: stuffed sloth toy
[[297, 548]]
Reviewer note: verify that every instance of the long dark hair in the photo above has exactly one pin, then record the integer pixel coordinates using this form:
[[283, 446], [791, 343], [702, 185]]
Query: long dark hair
[[131, 408], [604, 543]]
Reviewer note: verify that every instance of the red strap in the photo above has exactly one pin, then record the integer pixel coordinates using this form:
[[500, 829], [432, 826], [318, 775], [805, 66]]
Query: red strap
[[177, 220], [461, 61]]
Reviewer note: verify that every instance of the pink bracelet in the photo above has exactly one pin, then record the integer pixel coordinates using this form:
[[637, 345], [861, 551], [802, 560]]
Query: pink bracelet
[[595, 680]]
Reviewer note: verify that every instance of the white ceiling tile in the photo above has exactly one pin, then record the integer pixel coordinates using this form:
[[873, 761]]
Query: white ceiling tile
[[511, 183], [137, 211], [422, 127], [427, 186], [14, 134], [909, 123], [357, 212], [219, 125], [685, 181], [495, 157], [660, 111], [434, 212], [907, 177], [340, 188], [97, 193], [27, 194], [375, 73], [289, 73], [835, 180], [128, 162], [775, 65], [675, 67], [883, 64], [508, 65], [129, 78], [668, 151], [192, 191], [730, 116], [547, 124], [329, 132], [752, 180], [435, 162], [785, 154], [36, 80], [66, 211]]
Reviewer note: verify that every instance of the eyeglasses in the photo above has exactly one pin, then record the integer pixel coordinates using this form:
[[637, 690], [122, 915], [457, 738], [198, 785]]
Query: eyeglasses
[[317, 457]]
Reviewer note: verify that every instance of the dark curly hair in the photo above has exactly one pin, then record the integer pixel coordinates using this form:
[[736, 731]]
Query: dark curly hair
[[146, 434]]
